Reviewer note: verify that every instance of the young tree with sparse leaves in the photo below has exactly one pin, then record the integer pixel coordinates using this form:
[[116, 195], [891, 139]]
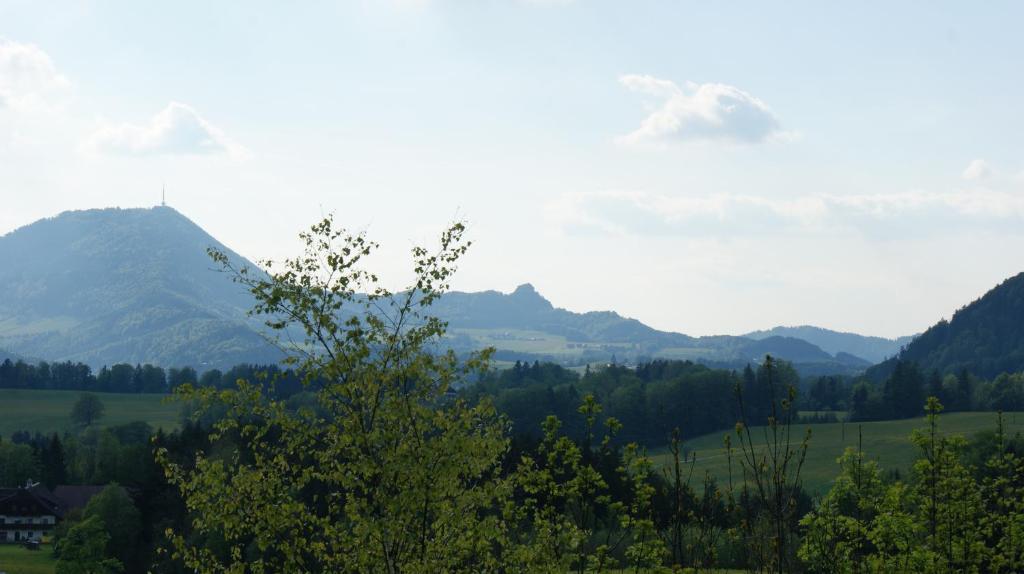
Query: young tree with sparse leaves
[[772, 463], [386, 474]]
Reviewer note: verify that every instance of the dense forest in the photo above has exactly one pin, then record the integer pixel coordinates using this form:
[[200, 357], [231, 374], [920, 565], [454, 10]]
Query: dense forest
[[902, 393], [650, 400]]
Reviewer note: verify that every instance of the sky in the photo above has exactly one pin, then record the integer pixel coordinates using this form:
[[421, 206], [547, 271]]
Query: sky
[[705, 167]]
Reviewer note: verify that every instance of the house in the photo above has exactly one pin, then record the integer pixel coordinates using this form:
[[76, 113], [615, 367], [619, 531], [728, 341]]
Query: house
[[28, 513], [76, 495]]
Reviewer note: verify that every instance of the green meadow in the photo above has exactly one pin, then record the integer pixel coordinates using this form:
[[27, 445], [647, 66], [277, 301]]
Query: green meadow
[[15, 559], [888, 442], [47, 411]]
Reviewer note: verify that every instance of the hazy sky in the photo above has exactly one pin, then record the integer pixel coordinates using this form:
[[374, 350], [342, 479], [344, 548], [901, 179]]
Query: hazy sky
[[706, 167]]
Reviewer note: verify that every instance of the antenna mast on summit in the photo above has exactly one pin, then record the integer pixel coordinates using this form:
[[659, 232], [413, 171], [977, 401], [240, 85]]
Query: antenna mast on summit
[[163, 196]]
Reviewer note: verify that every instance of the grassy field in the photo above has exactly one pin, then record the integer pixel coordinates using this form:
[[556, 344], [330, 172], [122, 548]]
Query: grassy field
[[888, 442], [47, 411], [15, 559], [535, 342]]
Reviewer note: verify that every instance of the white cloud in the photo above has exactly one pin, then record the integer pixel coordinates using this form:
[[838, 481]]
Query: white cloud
[[974, 203], [28, 78], [910, 213], [978, 169], [625, 213], [701, 112], [176, 130]]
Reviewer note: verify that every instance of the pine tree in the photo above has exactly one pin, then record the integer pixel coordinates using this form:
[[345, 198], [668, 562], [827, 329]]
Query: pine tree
[[54, 467]]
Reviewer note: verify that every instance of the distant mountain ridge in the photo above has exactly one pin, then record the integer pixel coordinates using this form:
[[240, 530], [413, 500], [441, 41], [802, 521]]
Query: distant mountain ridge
[[106, 286], [985, 337], [871, 349], [517, 319], [525, 308]]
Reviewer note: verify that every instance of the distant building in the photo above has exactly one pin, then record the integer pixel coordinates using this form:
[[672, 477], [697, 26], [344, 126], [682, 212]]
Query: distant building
[[31, 511], [28, 513]]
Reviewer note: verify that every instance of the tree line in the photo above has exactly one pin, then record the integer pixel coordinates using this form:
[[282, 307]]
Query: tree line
[[146, 378], [650, 400], [653, 398], [902, 394]]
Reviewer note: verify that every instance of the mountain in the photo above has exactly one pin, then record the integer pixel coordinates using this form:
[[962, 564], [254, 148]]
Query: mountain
[[107, 286], [523, 325], [985, 337], [526, 309], [870, 349], [9, 356], [791, 348]]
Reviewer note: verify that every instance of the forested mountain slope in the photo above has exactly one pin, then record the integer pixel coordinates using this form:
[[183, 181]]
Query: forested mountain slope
[[985, 337], [123, 285]]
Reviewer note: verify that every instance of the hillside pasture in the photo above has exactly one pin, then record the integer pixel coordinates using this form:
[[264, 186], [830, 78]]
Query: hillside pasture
[[887, 442], [48, 411], [558, 347]]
